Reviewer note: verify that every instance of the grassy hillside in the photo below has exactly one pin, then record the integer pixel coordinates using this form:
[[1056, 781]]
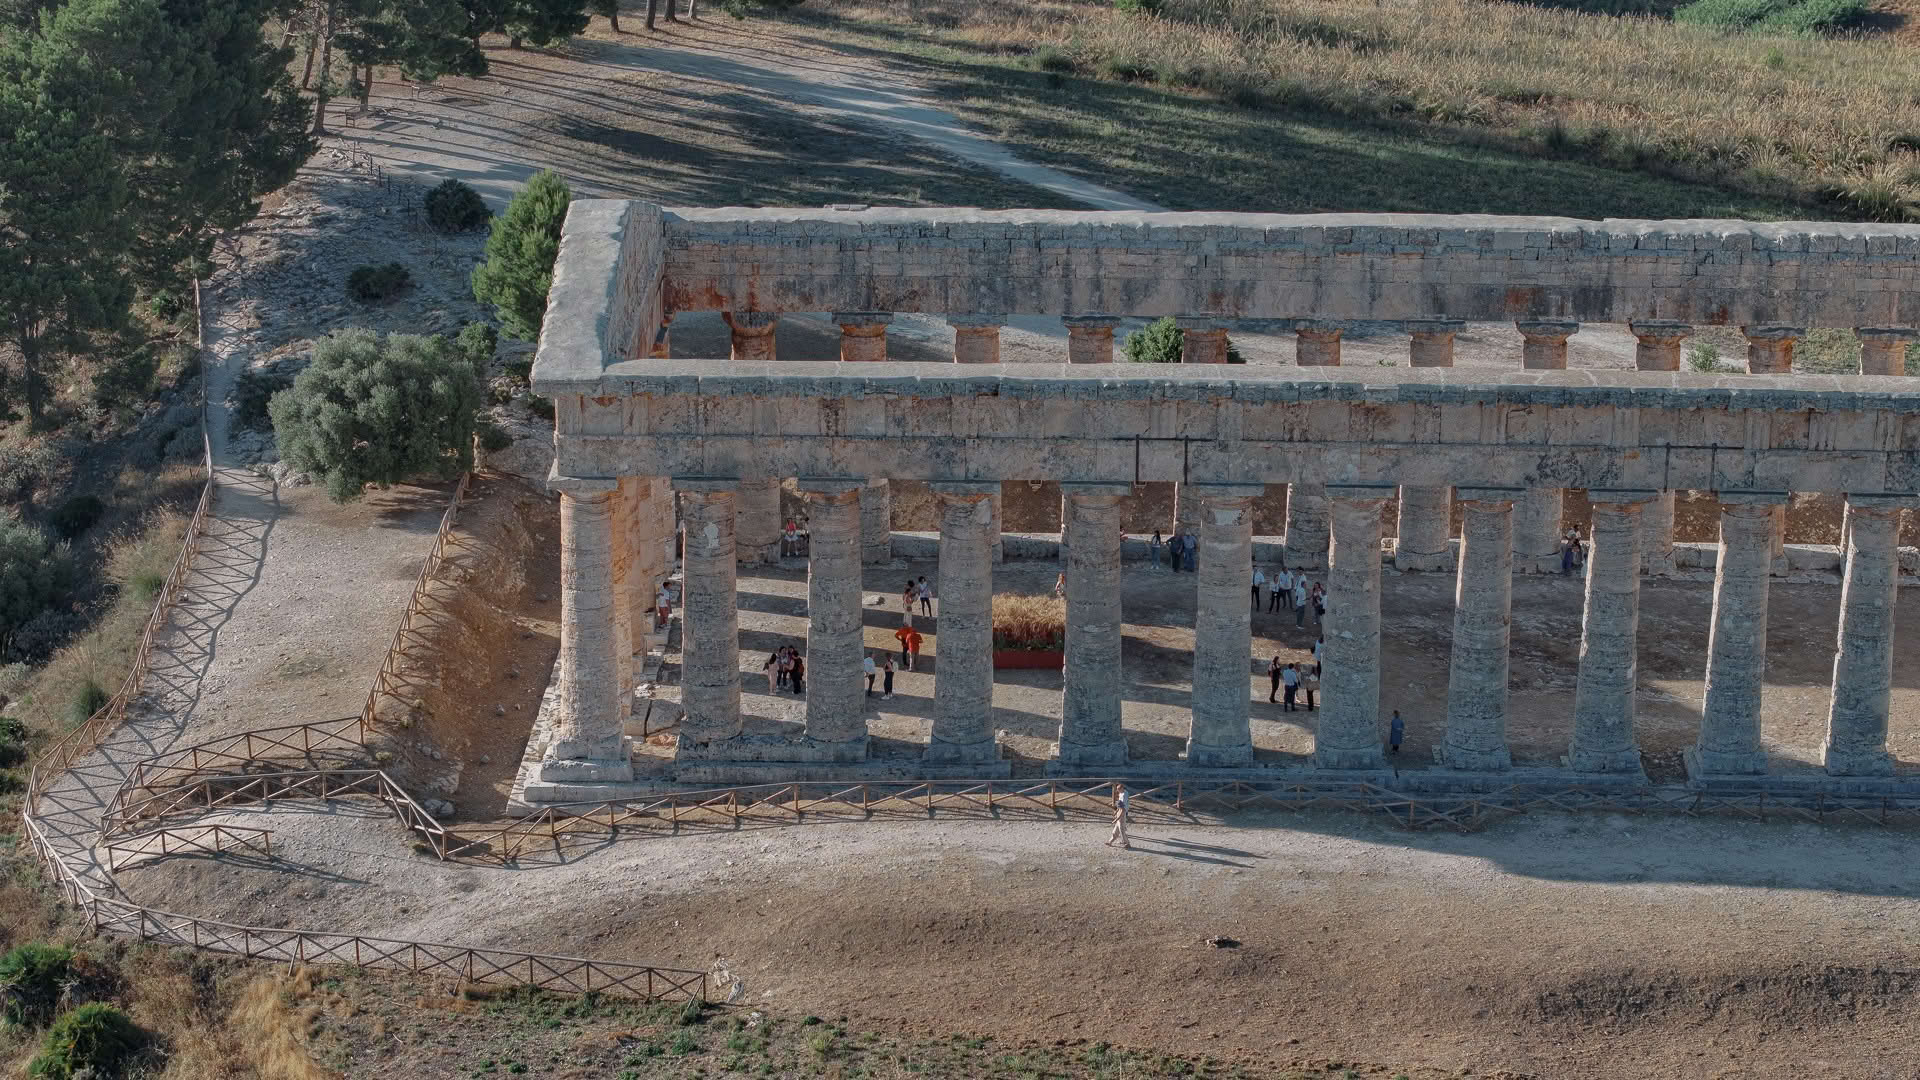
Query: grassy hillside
[[1444, 105]]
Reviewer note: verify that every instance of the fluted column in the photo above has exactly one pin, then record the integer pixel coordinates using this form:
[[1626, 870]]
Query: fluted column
[[1658, 343], [963, 672], [1770, 348], [836, 695], [1883, 349], [1203, 339], [1316, 343], [1426, 512], [1090, 728], [1222, 628], [1863, 657], [1348, 736], [1536, 515], [1090, 338], [619, 520], [1729, 739], [710, 627], [1603, 740], [1482, 634], [643, 554], [976, 338], [588, 740]]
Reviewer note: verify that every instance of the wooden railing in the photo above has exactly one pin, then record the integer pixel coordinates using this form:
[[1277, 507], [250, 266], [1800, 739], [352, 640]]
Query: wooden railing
[[194, 839], [387, 681]]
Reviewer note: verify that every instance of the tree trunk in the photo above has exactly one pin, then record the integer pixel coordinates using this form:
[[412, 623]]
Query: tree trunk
[[672, 14], [693, 9], [313, 46], [366, 85], [513, 42], [652, 5], [614, 20], [326, 64]]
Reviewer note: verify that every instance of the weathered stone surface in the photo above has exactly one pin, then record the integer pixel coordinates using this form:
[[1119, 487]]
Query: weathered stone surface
[[976, 338], [1883, 349], [836, 694], [963, 684], [1307, 530], [710, 633], [1863, 658], [1603, 711], [1348, 736], [588, 741], [1090, 338], [876, 523], [1223, 631], [757, 521], [1770, 348], [1657, 343], [1729, 739], [1090, 734], [1426, 516], [1482, 631]]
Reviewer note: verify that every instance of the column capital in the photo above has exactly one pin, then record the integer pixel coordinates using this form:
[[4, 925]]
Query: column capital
[[1319, 327], [1620, 497], [1433, 324], [862, 320], [1663, 330], [1227, 491], [1098, 487], [827, 487], [751, 323], [1751, 498], [1487, 494], [1381, 493], [976, 321], [578, 486], [706, 485], [1881, 501], [1886, 333], [1090, 322], [1551, 330], [1773, 332]]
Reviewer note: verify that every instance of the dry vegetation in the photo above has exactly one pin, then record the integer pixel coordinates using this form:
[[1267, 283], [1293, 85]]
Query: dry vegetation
[[1029, 622], [1829, 125]]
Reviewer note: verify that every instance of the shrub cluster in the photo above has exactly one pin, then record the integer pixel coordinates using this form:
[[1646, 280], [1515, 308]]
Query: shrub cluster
[[35, 574], [454, 207], [372, 284], [1161, 342], [94, 1040], [76, 515], [1775, 16], [252, 390], [31, 976]]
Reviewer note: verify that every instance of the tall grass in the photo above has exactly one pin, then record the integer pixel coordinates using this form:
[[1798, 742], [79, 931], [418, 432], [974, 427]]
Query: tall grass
[[1829, 123]]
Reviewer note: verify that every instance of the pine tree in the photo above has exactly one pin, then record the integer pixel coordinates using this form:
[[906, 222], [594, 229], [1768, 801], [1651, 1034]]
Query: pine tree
[[542, 22], [520, 253], [608, 8]]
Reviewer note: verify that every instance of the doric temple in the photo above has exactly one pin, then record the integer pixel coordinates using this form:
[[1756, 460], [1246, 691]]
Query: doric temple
[[638, 426]]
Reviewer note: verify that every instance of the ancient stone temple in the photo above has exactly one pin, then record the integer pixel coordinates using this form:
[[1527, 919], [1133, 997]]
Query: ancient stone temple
[[636, 424]]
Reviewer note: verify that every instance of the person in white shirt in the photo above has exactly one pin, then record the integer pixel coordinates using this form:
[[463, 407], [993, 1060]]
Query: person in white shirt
[[1282, 590], [662, 605], [1290, 685], [1119, 818], [871, 670], [1259, 580], [1300, 600]]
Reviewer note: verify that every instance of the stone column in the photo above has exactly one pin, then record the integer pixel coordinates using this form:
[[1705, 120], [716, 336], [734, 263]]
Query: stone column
[[752, 333], [1770, 348], [643, 555], [588, 742], [1883, 349], [1426, 512], [1863, 659], [1603, 697], [1203, 339], [1223, 628], [1316, 343], [757, 511], [976, 338], [710, 625], [1536, 515], [963, 673], [1090, 338], [1737, 643], [1090, 728], [863, 339], [836, 694], [619, 522], [1482, 634], [1348, 735], [1657, 348], [863, 335]]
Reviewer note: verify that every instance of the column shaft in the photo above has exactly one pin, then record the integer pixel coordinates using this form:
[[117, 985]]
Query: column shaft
[[752, 335], [1223, 635], [1863, 657], [836, 694], [1307, 529], [1202, 341], [1482, 634], [1770, 348], [1657, 348], [588, 741], [1737, 644], [1536, 516], [758, 514], [976, 340], [1090, 338], [963, 679], [1348, 736], [619, 518], [1090, 728], [710, 628], [643, 554], [1426, 524], [1603, 697], [876, 523], [1883, 349]]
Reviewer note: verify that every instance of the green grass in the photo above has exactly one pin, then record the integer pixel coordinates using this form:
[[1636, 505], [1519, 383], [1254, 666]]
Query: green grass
[[1775, 16]]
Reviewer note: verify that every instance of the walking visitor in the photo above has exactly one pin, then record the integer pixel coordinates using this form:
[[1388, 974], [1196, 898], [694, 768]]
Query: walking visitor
[[886, 687], [1193, 553], [662, 606], [1309, 682], [799, 673], [1282, 591], [1259, 581], [790, 539], [1176, 544], [871, 670], [1119, 817], [1396, 729], [1153, 548], [1319, 643], [926, 597], [1300, 600], [1319, 604], [1290, 680], [1273, 672]]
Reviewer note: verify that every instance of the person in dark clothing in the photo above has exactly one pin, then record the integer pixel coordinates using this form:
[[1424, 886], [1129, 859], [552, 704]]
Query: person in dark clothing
[[799, 674]]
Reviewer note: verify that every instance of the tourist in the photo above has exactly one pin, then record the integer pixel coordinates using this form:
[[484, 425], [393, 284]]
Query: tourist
[[907, 596], [790, 539], [1318, 644], [1567, 544], [1319, 604], [1153, 548], [1396, 729], [913, 650], [1060, 584], [1193, 553], [1299, 600], [662, 606], [771, 669], [799, 673], [1259, 582], [1175, 545], [886, 688], [1579, 556], [901, 636], [1282, 591], [1290, 683], [872, 671], [1309, 682], [1119, 817], [926, 597], [1273, 672]]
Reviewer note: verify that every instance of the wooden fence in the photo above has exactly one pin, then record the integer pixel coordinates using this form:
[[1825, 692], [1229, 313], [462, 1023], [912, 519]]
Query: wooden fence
[[387, 682], [194, 839]]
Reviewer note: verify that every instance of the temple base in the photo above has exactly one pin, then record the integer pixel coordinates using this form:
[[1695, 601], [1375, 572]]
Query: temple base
[[940, 752], [1370, 758], [1704, 763], [1605, 761], [1219, 757], [1464, 760], [1857, 762], [1074, 759]]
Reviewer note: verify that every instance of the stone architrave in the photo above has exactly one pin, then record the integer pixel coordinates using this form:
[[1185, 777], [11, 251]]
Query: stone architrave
[[1536, 515], [1222, 735], [1482, 634], [963, 673], [588, 741], [1348, 734], [1657, 347], [1090, 724], [1603, 711], [1090, 338], [1883, 349], [1729, 739], [1426, 512], [836, 694], [710, 623], [976, 338], [1863, 657]]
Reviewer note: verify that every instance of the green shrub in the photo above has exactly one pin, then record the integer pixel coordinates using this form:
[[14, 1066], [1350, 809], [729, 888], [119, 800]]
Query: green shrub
[[89, 698], [1774, 16], [1127, 69], [76, 515], [166, 305], [372, 410], [477, 343], [94, 1040], [372, 284], [541, 407], [520, 253], [493, 437], [1049, 58], [1161, 342], [126, 379], [1705, 357], [1913, 358], [253, 391], [13, 748], [1138, 7], [25, 469], [31, 977], [35, 574], [454, 207]]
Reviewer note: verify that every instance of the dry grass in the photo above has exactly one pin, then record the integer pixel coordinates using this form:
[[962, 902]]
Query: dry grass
[[1029, 622], [1831, 123]]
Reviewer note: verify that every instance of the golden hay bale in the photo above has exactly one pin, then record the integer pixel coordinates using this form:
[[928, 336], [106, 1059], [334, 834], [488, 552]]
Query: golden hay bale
[[1029, 622]]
